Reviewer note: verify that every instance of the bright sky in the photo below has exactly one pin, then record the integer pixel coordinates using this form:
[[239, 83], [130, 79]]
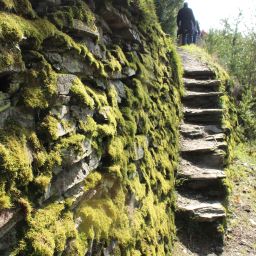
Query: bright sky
[[209, 13]]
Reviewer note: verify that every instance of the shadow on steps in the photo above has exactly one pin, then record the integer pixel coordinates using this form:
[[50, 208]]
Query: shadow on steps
[[200, 238]]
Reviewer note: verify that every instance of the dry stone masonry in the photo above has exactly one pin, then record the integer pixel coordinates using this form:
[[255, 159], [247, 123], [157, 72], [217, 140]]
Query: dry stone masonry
[[89, 115]]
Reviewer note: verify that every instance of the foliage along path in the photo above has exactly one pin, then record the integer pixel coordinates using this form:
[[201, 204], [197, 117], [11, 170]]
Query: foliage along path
[[201, 191]]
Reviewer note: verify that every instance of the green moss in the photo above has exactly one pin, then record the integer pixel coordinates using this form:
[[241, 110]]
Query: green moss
[[49, 230], [10, 60], [22, 7], [105, 217], [79, 90], [39, 152], [51, 125], [41, 85], [128, 201], [92, 180], [113, 64], [116, 148], [89, 126], [66, 14], [42, 181], [8, 4], [15, 158], [5, 201], [14, 28], [118, 53]]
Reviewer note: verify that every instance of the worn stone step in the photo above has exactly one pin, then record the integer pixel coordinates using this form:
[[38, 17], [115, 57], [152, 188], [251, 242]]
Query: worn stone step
[[207, 181], [210, 159], [202, 85], [201, 209], [194, 131], [201, 145], [203, 116], [216, 137], [199, 74], [191, 171], [201, 99], [195, 68]]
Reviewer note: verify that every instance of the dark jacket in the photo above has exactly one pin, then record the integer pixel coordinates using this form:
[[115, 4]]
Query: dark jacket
[[186, 20]]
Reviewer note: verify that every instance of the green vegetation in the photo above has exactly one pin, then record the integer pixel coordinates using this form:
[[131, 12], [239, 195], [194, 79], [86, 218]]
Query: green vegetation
[[20, 7], [235, 50], [49, 230], [65, 15], [167, 12]]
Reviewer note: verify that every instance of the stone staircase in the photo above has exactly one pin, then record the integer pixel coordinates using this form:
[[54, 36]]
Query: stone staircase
[[200, 188]]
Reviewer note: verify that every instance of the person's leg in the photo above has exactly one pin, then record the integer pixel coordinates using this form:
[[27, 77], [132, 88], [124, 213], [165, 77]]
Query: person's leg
[[194, 38], [184, 38], [189, 38]]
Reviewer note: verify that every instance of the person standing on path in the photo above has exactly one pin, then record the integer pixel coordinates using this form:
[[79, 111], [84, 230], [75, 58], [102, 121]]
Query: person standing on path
[[186, 23]]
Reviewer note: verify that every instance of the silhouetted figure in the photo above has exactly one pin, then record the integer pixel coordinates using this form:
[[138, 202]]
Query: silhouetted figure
[[196, 33], [91, 4], [186, 23]]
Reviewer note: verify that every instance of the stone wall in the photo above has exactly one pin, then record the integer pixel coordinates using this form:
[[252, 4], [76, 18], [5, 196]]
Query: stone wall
[[89, 114]]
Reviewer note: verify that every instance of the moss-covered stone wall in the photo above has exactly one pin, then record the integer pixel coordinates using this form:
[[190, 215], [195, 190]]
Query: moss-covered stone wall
[[89, 114]]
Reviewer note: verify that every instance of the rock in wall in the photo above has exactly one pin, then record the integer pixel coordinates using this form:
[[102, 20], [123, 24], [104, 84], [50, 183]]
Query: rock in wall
[[89, 115]]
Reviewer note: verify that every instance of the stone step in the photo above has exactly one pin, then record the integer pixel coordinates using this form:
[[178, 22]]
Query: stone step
[[190, 171], [199, 74], [201, 145], [201, 99], [210, 159], [202, 85], [195, 68], [207, 181], [203, 116], [216, 137], [194, 131], [200, 208]]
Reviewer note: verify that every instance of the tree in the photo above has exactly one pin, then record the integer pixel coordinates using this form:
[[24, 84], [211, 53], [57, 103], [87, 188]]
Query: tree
[[167, 11]]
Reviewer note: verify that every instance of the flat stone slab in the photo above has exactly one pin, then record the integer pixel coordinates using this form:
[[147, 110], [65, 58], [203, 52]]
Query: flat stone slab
[[203, 116], [216, 137], [199, 131], [201, 209], [114, 18], [192, 172], [194, 68], [80, 29], [8, 219], [202, 85], [202, 99], [201, 145], [212, 159], [193, 95]]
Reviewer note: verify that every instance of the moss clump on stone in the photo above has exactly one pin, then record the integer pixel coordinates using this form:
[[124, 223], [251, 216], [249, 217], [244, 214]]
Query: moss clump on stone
[[15, 158], [40, 84], [113, 64], [49, 231], [64, 16], [16, 165], [21, 7], [51, 125], [81, 92]]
